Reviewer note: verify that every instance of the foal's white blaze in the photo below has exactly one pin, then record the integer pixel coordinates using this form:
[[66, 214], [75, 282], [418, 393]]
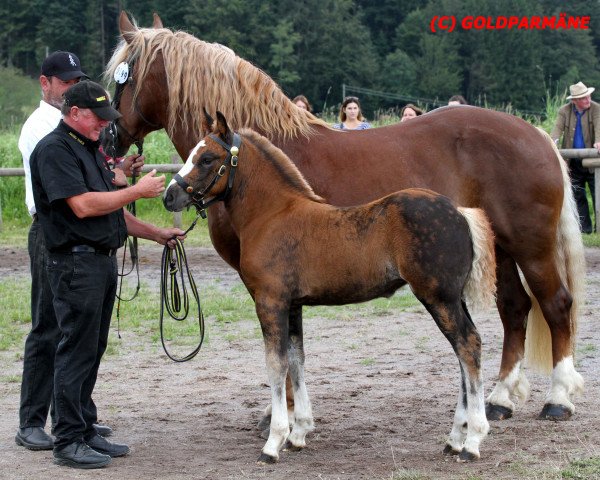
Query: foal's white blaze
[[514, 387], [566, 383], [188, 165]]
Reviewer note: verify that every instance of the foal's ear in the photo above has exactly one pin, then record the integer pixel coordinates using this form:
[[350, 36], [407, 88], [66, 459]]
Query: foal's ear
[[126, 28], [207, 122], [157, 23], [223, 129]]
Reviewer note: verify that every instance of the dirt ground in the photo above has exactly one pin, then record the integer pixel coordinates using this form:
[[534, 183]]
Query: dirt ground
[[383, 391]]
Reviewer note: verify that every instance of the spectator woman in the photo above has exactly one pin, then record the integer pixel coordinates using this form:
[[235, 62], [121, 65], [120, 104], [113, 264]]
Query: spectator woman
[[351, 116], [302, 102], [409, 111]]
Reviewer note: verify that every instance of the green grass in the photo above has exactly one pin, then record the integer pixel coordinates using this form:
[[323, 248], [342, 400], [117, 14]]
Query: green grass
[[221, 306], [582, 469]]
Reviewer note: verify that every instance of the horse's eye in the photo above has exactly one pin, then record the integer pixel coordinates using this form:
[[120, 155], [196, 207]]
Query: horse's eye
[[206, 159]]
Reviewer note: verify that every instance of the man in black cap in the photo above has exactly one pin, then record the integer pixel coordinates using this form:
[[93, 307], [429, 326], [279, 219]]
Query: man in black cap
[[60, 70], [84, 223]]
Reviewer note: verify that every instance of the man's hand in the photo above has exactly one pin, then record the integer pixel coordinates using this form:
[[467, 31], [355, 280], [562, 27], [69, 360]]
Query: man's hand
[[150, 186], [597, 146], [132, 164], [166, 236], [120, 179]]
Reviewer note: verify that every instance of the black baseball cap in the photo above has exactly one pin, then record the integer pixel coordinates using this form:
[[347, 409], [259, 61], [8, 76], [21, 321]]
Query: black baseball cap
[[64, 65], [88, 94]]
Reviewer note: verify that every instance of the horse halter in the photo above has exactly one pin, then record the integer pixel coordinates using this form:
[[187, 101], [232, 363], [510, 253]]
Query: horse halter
[[232, 159], [114, 126]]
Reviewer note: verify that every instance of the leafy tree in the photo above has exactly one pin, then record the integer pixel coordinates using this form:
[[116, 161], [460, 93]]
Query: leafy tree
[[19, 96], [401, 74], [283, 58]]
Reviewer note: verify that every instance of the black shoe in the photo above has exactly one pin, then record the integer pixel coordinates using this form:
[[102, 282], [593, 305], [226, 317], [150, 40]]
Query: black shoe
[[103, 430], [34, 438], [80, 455], [100, 444]]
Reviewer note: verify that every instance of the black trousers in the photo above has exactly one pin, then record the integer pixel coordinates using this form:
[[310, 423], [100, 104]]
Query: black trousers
[[40, 346], [84, 286], [580, 177]]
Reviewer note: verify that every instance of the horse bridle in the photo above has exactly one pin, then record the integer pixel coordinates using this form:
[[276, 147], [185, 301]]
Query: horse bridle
[[230, 160], [114, 127]]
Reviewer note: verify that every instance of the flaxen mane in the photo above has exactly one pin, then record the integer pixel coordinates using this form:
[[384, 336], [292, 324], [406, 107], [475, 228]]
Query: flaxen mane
[[210, 75], [281, 162]]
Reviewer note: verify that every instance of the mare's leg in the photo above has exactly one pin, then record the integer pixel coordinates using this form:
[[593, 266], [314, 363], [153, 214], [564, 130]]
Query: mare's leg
[[303, 418], [273, 316], [513, 305], [555, 303], [454, 321]]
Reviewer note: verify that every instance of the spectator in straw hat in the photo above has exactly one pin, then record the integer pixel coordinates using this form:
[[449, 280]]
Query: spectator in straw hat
[[578, 124]]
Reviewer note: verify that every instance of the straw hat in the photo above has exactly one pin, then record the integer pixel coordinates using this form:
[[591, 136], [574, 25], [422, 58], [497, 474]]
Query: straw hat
[[579, 90]]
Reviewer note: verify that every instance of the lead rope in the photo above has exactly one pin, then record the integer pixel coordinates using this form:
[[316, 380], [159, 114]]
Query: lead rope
[[174, 296], [133, 248]]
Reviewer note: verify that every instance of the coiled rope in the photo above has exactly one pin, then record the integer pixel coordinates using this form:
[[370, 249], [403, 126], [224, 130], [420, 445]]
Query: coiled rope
[[174, 298]]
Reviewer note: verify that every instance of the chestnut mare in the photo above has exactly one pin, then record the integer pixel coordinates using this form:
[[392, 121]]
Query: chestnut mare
[[298, 250], [477, 157]]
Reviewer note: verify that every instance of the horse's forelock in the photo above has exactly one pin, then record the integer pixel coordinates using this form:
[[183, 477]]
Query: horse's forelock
[[202, 75]]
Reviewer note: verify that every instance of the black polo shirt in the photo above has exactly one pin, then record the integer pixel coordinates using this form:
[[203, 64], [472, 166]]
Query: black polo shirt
[[65, 164]]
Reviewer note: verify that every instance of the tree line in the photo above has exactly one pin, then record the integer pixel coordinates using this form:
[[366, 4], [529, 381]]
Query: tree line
[[315, 46]]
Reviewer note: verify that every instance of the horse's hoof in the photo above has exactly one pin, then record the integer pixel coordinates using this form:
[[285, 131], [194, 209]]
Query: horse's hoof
[[448, 450], [264, 434], [289, 447], [266, 459], [497, 412], [265, 423], [553, 411], [466, 456]]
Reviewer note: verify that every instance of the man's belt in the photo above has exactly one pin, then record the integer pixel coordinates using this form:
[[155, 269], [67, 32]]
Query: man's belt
[[88, 249]]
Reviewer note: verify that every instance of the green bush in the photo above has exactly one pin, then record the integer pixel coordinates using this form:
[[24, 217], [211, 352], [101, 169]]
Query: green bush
[[19, 96], [158, 149]]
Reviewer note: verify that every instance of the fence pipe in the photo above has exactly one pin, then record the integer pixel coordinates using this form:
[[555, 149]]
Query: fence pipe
[[590, 156]]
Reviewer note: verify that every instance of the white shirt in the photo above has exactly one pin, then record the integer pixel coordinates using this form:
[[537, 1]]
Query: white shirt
[[40, 123]]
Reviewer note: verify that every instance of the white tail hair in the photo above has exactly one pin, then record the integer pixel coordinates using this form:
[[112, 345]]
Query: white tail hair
[[570, 261], [480, 289]]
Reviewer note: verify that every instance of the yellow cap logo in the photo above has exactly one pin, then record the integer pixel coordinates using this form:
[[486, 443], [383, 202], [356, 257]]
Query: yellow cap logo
[[101, 99]]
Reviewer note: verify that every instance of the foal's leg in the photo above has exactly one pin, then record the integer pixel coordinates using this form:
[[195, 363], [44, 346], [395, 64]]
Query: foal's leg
[[455, 323], [273, 318], [513, 305], [456, 439], [303, 418]]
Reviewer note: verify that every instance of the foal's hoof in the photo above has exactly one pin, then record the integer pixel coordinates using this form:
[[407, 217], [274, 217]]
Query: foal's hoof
[[497, 412], [448, 450], [552, 411], [465, 456], [265, 423], [266, 459], [289, 447]]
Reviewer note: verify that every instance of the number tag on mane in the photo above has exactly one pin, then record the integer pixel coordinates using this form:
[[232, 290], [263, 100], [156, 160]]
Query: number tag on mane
[[122, 73]]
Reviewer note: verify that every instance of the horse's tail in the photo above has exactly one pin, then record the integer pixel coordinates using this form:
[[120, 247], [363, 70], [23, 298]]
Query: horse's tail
[[480, 289], [570, 262]]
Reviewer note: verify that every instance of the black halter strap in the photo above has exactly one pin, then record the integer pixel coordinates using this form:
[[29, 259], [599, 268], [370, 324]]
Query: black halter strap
[[231, 160], [115, 126]]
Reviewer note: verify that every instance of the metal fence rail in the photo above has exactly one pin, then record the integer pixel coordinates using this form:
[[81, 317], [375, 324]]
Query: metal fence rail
[[590, 156]]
